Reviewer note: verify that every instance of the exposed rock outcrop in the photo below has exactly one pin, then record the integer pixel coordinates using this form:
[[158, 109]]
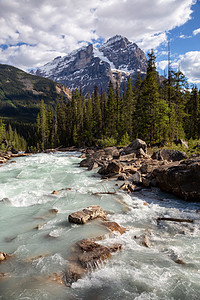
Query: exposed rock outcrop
[[135, 147], [113, 167], [113, 226], [90, 213], [171, 170], [92, 253], [169, 155], [87, 255], [181, 179]]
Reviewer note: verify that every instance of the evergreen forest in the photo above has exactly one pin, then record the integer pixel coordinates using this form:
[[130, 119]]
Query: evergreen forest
[[152, 109]]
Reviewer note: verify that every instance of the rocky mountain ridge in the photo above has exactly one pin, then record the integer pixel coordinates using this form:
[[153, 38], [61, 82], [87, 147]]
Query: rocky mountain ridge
[[88, 66], [21, 93]]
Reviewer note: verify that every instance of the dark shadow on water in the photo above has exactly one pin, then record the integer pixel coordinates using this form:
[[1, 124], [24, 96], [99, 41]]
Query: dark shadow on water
[[156, 196]]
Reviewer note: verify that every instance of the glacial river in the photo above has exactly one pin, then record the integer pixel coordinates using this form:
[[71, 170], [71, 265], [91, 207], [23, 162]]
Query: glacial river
[[41, 241]]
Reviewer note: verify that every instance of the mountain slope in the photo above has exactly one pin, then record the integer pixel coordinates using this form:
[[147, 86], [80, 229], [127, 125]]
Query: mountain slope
[[89, 66], [20, 93]]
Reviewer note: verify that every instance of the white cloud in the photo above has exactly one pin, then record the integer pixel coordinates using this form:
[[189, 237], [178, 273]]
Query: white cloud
[[190, 66], [182, 36], [162, 64], [152, 41], [55, 27], [195, 32]]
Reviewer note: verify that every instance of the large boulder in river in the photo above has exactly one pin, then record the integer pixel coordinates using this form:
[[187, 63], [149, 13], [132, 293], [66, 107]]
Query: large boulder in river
[[169, 155], [85, 163], [92, 254], [89, 213], [135, 146], [181, 179], [113, 167], [86, 256]]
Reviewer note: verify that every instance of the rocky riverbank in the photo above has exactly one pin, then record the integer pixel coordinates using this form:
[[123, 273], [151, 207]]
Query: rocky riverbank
[[170, 170], [5, 157]]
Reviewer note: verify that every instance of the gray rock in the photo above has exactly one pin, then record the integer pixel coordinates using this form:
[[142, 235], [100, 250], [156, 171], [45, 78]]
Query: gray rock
[[113, 167], [136, 178], [135, 146], [146, 182], [149, 166], [128, 157], [181, 179], [85, 163], [169, 155], [93, 165]]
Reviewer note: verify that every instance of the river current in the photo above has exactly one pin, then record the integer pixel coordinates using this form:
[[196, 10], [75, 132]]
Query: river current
[[40, 241]]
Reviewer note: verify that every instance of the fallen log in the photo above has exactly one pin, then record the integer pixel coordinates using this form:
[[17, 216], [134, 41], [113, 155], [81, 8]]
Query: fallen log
[[175, 220], [104, 193]]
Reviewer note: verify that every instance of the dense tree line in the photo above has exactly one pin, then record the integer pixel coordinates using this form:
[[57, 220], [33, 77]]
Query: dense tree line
[[153, 109], [10, 139]]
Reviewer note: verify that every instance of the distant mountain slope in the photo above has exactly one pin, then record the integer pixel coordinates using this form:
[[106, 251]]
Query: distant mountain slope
[[89, 66], [20, 93]]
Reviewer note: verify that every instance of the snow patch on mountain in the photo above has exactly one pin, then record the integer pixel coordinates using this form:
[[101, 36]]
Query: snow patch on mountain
[[112, 41], [100, 55], [88, 66]]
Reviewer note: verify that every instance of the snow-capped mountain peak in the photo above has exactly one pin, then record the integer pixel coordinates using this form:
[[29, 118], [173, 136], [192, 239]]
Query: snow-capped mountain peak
[[89, 66]]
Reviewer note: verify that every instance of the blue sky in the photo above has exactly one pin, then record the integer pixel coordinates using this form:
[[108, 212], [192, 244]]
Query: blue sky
[[33, 32], [185, 46]]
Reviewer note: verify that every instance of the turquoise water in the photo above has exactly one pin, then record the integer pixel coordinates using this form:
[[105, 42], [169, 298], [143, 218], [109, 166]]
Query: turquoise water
[[137, 272]]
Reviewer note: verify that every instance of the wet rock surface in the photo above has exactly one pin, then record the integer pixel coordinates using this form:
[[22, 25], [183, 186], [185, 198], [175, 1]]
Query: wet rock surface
[[89, 213], [3, 256], [87, 254], [113, 226]]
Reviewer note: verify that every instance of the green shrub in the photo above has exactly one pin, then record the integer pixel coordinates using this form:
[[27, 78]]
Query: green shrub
[[125, 140], [107, 142]]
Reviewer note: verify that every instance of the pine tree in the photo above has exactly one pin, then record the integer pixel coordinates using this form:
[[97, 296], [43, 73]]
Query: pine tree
[[42, 126], [178, 100], [51, 127], [2, 130], [88, 121], [151, 108], [77, 117], [61, 121], [110, 113], [192, 124], [129, 106], [97, 116]]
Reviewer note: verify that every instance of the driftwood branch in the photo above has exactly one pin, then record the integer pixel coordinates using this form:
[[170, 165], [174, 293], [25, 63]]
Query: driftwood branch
[[175, 220], [104, 193]]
